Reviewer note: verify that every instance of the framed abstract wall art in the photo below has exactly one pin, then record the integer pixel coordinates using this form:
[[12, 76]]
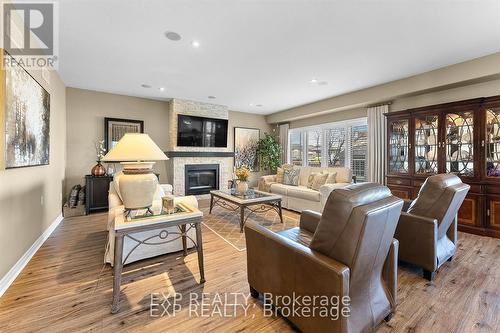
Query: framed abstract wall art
[[115, 129], [26, 115], [245, 147]]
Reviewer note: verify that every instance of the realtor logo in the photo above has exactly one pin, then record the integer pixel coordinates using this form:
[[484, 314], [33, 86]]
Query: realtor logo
[[30, 32]]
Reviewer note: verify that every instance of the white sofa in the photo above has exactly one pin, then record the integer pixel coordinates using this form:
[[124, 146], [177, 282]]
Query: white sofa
[[299, 198], [143, 251]]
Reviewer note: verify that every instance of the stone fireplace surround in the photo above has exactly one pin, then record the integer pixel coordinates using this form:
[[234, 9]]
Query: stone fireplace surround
[[179, 157]]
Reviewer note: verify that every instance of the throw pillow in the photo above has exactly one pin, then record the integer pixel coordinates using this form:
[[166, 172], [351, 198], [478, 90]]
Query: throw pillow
[[279, 175], [332, 178], [319, 180], [291, 176], [310, 179]]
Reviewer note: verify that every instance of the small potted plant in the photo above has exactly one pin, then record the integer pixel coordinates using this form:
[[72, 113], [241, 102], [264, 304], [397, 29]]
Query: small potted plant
[[98, 170], [242, 175]]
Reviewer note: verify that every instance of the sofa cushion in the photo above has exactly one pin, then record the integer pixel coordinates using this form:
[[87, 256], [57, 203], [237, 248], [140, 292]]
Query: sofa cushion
[[282, 189], [310, 179], [344, 175], [291, 176], [319, 180], [302, 192], [332, 178]]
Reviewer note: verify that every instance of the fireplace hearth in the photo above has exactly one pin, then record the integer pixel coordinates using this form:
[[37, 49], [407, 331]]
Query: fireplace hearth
[[201, 178]]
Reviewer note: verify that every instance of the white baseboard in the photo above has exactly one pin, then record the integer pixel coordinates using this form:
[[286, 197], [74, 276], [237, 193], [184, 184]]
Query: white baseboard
[[11, 275]]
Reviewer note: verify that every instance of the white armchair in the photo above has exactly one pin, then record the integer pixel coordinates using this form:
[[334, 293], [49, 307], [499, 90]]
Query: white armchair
[[143, 251]]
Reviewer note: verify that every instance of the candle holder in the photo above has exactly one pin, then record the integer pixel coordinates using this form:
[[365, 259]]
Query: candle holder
[[168, 204]]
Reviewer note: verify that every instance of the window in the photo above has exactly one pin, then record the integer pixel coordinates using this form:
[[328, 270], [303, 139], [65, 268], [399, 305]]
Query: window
[[336, 146], [342, 144], [359, 154], [314, 145], [296, 148]]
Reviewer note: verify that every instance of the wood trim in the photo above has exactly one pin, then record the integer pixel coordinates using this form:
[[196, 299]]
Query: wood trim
[[492, 203], [473, 212]]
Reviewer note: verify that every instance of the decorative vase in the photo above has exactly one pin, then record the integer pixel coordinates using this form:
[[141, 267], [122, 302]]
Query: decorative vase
[[98, 170], [242, 187]]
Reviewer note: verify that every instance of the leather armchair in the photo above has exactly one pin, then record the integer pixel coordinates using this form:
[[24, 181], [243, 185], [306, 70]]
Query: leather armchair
[[427, 228], [348, 251]]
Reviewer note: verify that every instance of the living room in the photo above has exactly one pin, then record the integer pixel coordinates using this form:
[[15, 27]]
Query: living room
[[250, 166]]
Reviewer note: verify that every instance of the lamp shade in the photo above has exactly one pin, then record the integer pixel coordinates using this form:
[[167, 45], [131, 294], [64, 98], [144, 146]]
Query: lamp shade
[[135, 147]]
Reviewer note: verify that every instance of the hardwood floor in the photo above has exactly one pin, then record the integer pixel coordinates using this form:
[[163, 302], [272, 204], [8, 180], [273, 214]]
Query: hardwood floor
[[66, 288]]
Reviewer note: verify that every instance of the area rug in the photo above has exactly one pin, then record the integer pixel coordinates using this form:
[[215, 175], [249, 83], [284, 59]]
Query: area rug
[[226, 224]]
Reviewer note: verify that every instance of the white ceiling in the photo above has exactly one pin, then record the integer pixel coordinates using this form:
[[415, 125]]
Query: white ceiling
[[266, 52]]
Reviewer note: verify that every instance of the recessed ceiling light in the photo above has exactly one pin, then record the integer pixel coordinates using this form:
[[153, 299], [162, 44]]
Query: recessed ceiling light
[[173, 36], [161, 89], [314, 81], [211, 97], [145, 85], [195, 44], [251, 104]]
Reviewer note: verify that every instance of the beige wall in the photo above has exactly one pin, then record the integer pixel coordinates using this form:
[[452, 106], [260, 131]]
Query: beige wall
[[30, 198], [86, 111], [485, 89], [329, 118]]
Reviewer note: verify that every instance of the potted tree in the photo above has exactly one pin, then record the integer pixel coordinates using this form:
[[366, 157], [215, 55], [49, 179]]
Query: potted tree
[[269, 151]]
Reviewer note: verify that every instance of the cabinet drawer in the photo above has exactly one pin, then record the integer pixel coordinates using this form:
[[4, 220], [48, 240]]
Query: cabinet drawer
[[399, 181], [401, 191]]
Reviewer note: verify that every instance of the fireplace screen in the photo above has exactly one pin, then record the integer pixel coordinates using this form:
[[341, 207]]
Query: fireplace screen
[[201, 178]]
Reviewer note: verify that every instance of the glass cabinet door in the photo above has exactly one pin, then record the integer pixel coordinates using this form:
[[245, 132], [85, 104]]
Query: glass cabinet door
[[493, 142], [459, 143], [398, 146], [426, 144]]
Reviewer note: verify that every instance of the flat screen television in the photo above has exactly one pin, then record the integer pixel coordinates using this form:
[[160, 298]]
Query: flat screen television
[[201, 132]]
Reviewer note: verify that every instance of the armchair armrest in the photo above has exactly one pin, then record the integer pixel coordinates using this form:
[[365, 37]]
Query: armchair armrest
[[309, 220], [265, 182], [390, 273], [417, 237], [278, 265]]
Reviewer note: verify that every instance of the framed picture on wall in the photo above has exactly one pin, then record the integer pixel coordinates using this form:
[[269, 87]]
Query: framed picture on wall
[[26, 111], [116, 128], [245, 147]]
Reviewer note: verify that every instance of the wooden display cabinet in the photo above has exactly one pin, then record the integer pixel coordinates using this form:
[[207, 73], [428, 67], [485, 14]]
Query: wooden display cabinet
[[461, 138]]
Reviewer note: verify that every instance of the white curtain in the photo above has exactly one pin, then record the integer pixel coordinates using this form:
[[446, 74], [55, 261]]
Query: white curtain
[[377, 143], [284, 141]]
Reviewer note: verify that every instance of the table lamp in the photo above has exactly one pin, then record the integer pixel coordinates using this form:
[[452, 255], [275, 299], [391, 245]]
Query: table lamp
[[136, 185]]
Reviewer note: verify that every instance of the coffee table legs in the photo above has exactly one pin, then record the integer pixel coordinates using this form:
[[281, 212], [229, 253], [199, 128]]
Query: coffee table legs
[[184, 239], [242, 217], [117, 278], [199, 248], [211, 203], [280, 211]]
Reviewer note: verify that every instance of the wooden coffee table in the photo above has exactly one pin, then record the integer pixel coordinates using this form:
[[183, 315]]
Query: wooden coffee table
[[253, 202]]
